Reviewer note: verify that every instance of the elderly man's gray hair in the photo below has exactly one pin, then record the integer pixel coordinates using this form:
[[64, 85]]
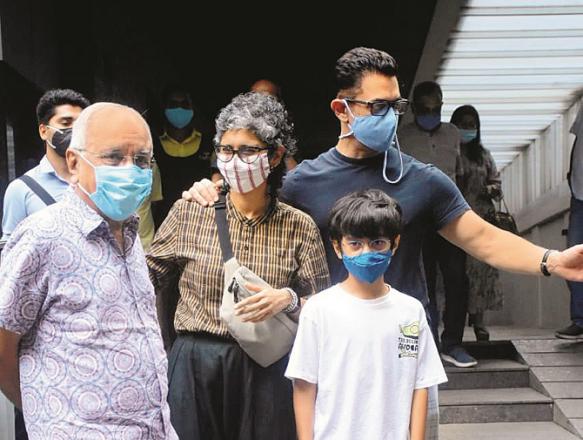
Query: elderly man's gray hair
[[79, 135], [261, 114]]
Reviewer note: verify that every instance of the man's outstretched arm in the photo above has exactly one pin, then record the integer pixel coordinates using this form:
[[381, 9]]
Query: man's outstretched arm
[[509, 252]]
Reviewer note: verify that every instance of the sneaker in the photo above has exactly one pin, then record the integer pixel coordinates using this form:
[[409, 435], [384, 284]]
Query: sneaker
[[458, 356], [572, 332]]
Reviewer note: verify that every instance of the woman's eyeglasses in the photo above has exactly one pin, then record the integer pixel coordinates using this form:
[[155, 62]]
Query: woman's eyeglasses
[[247, 153]]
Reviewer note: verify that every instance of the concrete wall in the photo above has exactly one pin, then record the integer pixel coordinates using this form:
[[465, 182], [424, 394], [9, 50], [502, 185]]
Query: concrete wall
[[537, 193]]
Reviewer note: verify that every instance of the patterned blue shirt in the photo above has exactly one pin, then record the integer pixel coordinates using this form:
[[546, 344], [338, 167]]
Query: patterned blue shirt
[[92, 363]]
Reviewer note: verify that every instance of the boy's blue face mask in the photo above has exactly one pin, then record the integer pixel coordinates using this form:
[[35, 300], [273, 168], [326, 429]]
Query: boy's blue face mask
[[119, 191], [368, 266], [179, 117]]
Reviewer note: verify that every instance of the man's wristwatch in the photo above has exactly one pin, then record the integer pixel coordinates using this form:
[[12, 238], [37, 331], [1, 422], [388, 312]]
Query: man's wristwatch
[[543, 264], [294, 305]]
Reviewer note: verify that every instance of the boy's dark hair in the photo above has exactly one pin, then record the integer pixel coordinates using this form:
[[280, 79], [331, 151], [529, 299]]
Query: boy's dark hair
[[427, 88], [47, 104], [354, 64], [365, 214]]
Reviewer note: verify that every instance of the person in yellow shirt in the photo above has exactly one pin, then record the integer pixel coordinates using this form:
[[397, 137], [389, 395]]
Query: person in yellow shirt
[[183, 151], [146, 227]]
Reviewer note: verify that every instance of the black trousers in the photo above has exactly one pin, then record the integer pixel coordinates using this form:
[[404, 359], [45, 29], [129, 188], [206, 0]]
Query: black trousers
[[452, 264], [216, 392], [19, 428]]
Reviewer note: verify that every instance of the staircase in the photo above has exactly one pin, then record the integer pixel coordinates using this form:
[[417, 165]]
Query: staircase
[[494, 400]]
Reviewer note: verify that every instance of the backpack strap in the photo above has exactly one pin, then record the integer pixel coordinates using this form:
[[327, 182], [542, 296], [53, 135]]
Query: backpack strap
[[38, 190], [223, 227]]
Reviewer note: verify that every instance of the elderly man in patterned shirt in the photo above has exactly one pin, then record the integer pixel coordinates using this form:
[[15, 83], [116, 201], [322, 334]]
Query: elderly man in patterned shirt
[[80, 346]]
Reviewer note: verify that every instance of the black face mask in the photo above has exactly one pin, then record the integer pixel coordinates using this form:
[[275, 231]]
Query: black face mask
[[61, 140]]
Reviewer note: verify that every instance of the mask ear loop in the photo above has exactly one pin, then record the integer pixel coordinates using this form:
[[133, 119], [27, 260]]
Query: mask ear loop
[[351, 132], [55, 129], [386, 160]]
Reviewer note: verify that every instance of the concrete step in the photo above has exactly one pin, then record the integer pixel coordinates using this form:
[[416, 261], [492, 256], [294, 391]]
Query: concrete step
[[505, 431], [489, 373], [494, 405]]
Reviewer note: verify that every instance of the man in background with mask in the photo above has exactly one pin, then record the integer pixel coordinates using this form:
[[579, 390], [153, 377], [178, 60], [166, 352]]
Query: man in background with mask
[[183, 151], [42, 185], [80, 346], [270, 88], [433, 142]]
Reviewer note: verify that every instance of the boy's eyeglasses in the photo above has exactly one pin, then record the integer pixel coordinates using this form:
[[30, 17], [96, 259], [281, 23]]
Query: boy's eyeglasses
[[380, 107], [357, 246], [247, 153]]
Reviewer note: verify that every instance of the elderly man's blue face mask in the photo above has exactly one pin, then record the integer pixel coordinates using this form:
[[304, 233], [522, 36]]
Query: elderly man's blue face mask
[[119, 190]]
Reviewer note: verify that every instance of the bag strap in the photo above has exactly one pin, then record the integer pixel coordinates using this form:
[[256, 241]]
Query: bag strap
[[223, 227], [505, 205], [38, 190]]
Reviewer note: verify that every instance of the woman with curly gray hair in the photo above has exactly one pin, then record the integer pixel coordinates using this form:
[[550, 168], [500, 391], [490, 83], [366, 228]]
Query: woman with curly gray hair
[[216, 391]]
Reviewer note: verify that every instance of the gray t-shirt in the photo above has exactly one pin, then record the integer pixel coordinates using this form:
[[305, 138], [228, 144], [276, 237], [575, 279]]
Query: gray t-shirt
[[440, 147], [576, 178]]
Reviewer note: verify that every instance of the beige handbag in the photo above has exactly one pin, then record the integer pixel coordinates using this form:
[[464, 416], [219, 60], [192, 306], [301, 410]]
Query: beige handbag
[[265, 342]]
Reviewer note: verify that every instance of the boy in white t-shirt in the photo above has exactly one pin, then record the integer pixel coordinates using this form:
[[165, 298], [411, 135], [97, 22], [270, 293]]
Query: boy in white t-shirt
[[364, 356]]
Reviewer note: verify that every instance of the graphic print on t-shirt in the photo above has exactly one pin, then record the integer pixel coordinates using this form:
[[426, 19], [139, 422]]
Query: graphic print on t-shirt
[[408, 345]]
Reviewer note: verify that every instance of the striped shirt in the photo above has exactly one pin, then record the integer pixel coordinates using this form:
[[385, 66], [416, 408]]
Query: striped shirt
[[283, 247]]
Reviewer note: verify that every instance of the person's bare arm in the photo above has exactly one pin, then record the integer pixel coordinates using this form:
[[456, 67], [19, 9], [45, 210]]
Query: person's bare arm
[[9, 376], [418, 414], [506, 251], [304, 408]]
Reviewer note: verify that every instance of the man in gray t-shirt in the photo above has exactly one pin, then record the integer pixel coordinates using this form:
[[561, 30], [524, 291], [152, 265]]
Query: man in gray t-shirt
[[575, 235], [431, 141]]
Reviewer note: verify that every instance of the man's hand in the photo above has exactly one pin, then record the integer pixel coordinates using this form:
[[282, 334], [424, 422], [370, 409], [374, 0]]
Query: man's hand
[[567, 264], [203, 192], [263, 305]]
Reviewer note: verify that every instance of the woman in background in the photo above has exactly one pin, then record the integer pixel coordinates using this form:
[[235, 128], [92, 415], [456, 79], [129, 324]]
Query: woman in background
[[480, 186]]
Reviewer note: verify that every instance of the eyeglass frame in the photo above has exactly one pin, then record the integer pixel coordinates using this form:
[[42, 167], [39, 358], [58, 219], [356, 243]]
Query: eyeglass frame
[[346, 241], [389, 104], [102, 157], [236, 152]]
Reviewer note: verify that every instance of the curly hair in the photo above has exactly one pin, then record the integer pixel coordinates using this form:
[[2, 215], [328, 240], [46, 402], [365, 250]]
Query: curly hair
[[266, 118], [261, 114]]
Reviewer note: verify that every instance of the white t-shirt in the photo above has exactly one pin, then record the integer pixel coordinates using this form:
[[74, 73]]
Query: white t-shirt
[[367, 357]]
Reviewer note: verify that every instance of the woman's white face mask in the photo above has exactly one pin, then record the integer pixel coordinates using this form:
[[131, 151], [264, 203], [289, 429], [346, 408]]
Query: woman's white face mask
[[245, 177]]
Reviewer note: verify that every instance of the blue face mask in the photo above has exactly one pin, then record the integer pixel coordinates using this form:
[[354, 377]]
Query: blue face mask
[[368, 266], [376, 132], [179, 117], [428, 122], [119, 191], [468, 135]]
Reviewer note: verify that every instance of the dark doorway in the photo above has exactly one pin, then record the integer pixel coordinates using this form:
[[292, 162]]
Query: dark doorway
[[128, 51]]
